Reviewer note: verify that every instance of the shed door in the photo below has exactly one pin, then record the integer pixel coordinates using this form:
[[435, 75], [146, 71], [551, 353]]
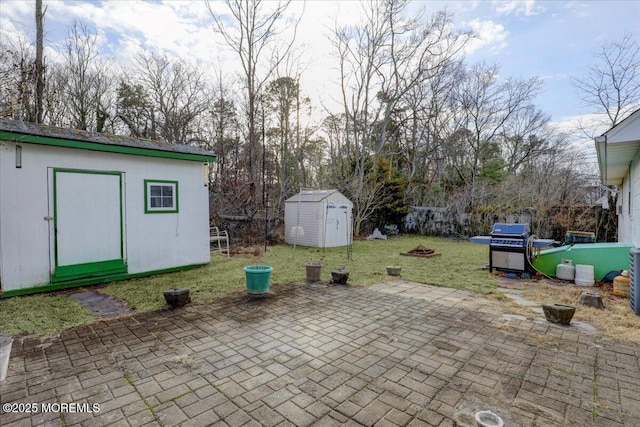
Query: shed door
[[344, 225], [337, 226], [87, 224]]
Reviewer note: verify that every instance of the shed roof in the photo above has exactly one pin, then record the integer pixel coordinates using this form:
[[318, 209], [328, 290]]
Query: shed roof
[[313, 195], [34, 133]]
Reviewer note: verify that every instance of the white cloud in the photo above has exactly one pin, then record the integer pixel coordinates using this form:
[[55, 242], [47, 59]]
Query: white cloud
[[582, 128], [517, 7], [488, 34], [11, 21], [576, 8]]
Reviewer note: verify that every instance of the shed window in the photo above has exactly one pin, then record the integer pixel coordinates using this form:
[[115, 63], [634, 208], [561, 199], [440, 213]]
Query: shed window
[[160, 196]]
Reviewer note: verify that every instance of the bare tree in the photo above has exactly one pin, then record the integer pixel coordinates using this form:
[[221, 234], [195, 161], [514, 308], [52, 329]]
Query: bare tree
[[524, 137], [17, 79], [88, 79], [56, 107], [256, 26], [612, 84], [381, 62], [176, 93], [134, 108], [224, 136], [293, 140], [426, 121], [484, 106]]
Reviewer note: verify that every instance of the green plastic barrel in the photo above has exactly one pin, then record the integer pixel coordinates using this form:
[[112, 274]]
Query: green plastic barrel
[[604, 257], [258, 277]]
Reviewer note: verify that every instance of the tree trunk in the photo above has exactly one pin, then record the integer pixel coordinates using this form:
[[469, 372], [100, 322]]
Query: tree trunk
[[39, 60]]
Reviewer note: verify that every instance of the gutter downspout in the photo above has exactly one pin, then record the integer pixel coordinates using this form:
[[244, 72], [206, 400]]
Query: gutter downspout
[[601, 147]]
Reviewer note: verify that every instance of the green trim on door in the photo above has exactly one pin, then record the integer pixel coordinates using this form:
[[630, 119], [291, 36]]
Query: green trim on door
[[78, 271], [91, 269], [93, 280]]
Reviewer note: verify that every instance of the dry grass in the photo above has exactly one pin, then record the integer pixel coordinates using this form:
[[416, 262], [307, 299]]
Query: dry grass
[[616, 321]]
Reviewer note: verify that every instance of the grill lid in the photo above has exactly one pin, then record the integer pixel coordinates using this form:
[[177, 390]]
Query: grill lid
[[510, 230]]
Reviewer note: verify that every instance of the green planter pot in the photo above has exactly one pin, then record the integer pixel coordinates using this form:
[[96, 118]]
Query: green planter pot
[[258, 278]]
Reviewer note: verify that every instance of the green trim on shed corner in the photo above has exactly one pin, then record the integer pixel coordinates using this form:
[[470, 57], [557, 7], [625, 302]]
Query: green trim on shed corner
[[95, 280], [94, 146]]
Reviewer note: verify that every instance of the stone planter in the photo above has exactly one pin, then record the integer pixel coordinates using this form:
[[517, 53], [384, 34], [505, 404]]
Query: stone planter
[[313, 270], [558, 313], [394, 271], [177, 297], [339, 277], [591, 299]]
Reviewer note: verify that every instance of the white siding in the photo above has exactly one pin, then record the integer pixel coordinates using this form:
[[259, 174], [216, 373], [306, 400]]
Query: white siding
[[152, 241], [307, 215], [319, 229], [629, 202], [635, 202]]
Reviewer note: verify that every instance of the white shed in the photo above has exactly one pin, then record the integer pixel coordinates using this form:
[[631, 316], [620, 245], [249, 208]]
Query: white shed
[[318, 218], [78, 208]]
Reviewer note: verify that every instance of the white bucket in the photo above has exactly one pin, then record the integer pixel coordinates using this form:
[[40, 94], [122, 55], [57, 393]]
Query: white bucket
[[584, 275], [5, 352]]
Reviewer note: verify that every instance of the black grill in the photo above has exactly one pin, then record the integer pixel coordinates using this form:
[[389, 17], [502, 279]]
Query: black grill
[[508, 249]]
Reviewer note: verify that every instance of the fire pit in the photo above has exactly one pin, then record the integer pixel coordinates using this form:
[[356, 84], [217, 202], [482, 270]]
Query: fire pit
[[422, 252]]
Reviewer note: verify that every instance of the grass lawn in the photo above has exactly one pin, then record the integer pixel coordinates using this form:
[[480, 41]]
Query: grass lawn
[[459, 266]]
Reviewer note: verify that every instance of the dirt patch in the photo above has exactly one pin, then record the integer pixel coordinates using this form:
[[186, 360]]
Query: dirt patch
[[101, 305], [247, 251]]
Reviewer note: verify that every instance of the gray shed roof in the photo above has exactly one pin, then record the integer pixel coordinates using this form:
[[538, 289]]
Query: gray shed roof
[[313, 195], [73, 138]]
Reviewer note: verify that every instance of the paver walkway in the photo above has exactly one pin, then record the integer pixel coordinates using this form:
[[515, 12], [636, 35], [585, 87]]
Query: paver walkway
[[389, 355]]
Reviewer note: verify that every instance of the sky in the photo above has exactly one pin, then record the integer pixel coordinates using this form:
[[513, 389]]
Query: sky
[[554, 40]]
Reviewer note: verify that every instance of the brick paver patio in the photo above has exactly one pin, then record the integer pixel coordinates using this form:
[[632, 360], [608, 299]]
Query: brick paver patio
[[397, 354]]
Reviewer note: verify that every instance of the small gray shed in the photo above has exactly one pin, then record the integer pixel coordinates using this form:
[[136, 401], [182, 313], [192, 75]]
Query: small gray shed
[[318, 218]]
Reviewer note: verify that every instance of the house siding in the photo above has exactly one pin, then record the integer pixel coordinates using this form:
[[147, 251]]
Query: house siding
[[635, 201], [629, 202]]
